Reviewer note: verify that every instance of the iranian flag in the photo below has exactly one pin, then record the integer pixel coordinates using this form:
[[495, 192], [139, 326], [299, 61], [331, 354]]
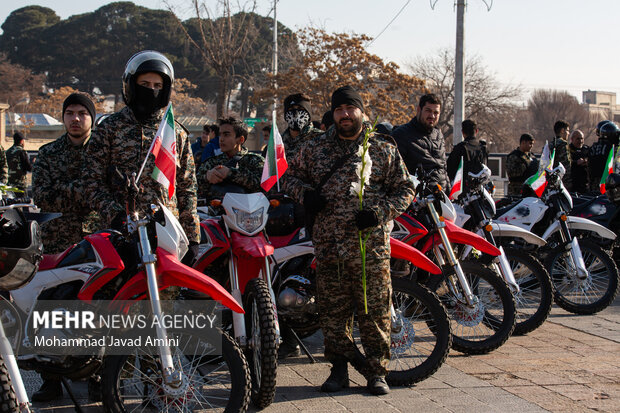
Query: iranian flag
[[609, 169], [164, 147], [457, 184], [538, 182], [275, 159]]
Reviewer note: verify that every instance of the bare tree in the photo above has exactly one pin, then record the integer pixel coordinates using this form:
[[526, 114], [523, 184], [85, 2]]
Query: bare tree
[[546, 106], [221, 37], [18, 84], [487, 102]]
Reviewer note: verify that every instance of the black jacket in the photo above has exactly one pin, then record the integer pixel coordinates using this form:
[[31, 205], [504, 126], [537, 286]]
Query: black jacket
[[474, 154], [420, 147]]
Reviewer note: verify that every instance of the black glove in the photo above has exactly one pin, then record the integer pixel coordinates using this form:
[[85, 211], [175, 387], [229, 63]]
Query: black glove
[[366, 218], [314, 202], [119, 221]]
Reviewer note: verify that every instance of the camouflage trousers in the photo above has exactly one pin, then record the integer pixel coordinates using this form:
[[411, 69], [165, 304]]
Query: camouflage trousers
[[514, 188], [339, 296]]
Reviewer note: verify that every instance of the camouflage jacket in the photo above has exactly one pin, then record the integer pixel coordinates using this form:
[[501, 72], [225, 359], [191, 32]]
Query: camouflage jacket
[[19, 166], [4, 168], [123, 142], [389, 192], [292, 145], [56, 186], [246, 169], [562, 154], [517, 164]]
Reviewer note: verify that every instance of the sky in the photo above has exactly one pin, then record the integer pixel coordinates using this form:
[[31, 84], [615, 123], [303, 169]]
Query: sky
[[556, 44]]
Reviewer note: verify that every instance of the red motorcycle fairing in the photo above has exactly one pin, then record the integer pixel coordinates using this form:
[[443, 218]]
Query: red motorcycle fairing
[[282, 241], [250, 253], [212, 229], [171, 272], [403, 251], [112, 265], [50, 261], [459, 235], [414, 228]]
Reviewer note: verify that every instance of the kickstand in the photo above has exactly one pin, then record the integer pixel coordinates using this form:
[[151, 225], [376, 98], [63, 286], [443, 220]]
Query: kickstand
[[303, 347], [65, 383]]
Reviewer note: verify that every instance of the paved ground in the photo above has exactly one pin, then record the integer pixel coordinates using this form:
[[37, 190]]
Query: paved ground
[[570, 364]]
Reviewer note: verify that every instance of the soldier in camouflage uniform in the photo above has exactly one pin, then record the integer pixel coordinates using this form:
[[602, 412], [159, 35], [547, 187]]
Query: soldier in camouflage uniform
[[4, 168], [236, 165], [57, 178], [18, 162], [519, 164], [335, 237], [56, 185], [562, 152], [123, 140]]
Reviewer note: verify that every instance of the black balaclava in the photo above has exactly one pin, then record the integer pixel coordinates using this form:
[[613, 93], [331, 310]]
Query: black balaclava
[[146, 101]]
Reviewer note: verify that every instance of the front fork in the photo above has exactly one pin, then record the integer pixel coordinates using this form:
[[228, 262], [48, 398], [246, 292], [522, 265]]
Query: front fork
[[16, 378], [575, 257], [470, 299], [172, 377], [501, 265]]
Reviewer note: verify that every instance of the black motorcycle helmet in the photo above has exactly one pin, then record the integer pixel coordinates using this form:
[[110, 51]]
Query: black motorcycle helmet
[[612, 187], [143, 62], [610, 132], [599, 125], [21, 249]]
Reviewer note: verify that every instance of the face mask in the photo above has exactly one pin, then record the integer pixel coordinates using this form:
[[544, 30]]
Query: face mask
[[146, 101], [297, 119]]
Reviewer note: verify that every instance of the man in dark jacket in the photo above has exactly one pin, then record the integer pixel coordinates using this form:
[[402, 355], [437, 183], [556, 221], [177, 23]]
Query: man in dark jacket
[[599, 151], [471, 150], [562, 154], [579, 163], [520, 164], [421, 143], [18, 161]]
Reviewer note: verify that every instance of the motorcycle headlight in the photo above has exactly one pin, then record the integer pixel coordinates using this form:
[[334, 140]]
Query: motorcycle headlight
[[249, 221]]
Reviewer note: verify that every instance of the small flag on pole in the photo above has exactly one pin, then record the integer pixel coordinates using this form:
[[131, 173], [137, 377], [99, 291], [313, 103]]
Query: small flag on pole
[[538, 182], [457, 184], [609, 169], [275, 162], [164, 148]]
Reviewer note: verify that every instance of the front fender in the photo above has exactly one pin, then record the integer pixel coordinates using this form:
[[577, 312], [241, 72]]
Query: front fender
[[399, 249], [462, 236], [582, 224], [513, 231], [170, 272]]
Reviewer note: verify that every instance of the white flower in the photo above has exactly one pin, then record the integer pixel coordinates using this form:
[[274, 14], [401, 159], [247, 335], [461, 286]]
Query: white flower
[[355, 188]]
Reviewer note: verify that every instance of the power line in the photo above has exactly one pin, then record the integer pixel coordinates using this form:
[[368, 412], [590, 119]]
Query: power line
[[388, 25]]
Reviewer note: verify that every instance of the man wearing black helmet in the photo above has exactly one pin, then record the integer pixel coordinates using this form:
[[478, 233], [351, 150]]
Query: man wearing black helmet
[[599, 151], [122, 142]]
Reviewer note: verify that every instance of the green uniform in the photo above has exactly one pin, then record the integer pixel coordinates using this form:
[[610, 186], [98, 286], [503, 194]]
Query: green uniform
[[19, 166], [123, 142], [517, 168], [562, 155], [339, 279], [246, 169], [4, 168], [56, 186]]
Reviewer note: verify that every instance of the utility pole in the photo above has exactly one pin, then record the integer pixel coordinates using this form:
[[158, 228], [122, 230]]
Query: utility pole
[[459, 81]]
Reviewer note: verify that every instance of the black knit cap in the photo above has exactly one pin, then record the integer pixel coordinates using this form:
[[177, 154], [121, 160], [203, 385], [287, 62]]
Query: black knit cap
[[80, 99], [297, 99], [346, 95]]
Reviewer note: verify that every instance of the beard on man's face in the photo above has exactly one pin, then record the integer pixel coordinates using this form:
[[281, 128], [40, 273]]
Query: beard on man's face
[[351, 130]]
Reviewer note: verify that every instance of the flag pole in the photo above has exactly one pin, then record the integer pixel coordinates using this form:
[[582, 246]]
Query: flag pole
[[275, 73], [152, 144]]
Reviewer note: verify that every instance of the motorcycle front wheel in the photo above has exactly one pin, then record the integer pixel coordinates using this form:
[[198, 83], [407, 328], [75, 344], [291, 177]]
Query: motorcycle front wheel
[[8, 400], [486, 325], [262, 349], [420, 335], [587, 296], [209, 381], [535, 296]]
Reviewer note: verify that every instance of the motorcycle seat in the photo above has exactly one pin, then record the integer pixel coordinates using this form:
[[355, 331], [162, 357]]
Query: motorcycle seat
[[50, 261]]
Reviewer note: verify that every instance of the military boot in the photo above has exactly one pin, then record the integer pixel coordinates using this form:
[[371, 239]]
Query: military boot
[[338, 379], [378, 386], [50, 390]]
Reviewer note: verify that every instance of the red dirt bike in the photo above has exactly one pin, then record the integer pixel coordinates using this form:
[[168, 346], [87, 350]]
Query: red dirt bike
[[480, 304], [124, 268]]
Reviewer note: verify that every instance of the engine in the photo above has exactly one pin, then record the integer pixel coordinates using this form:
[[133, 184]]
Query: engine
[[296, 300]]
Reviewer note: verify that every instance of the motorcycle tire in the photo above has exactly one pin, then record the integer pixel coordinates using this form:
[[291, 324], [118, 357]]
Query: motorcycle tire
[[491, 322], [8, 400], [535, 296], [421, 336], [262, 349], [600, 288], [223, 382]]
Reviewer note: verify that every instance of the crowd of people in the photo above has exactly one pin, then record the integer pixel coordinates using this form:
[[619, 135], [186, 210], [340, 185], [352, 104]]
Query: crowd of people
[[77, 175]]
